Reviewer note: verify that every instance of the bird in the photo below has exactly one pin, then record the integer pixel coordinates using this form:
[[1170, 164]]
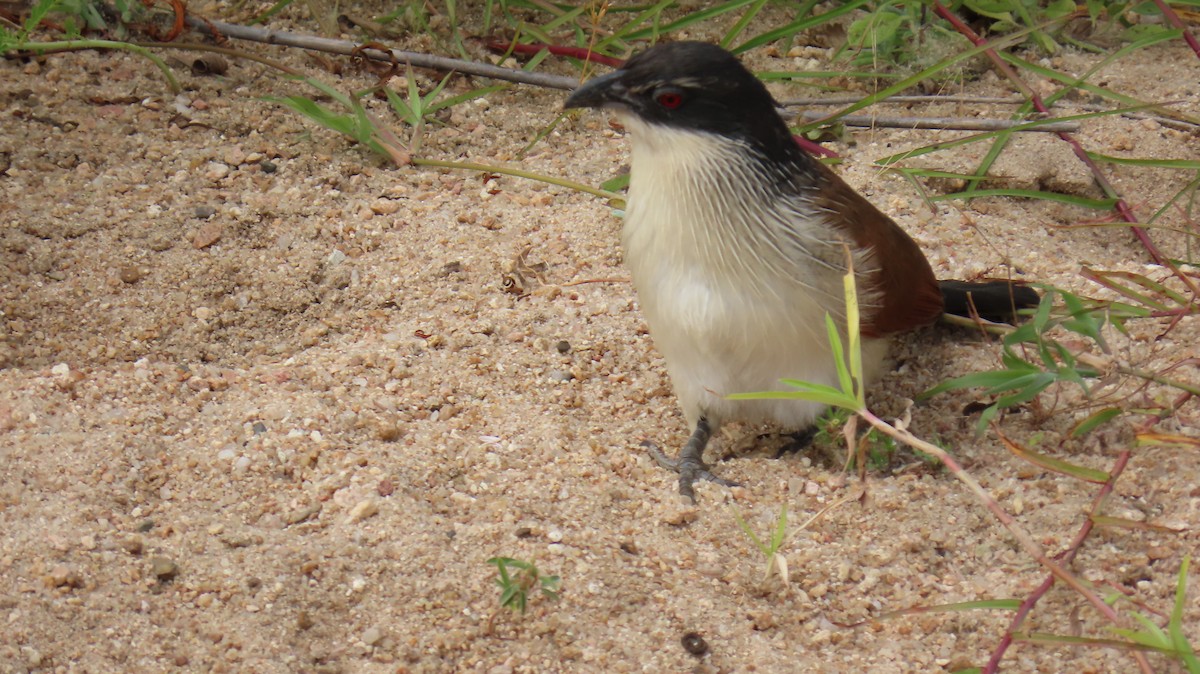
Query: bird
[[737, 241]]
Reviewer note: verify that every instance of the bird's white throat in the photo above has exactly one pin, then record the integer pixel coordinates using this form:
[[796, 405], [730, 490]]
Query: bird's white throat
[[732, 273]]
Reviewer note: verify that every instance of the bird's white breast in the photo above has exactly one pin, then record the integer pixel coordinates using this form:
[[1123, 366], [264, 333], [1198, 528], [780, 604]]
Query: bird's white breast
[[734, 278]]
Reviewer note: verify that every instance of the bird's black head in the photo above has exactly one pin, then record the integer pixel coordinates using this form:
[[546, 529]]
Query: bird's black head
[[692, 86]]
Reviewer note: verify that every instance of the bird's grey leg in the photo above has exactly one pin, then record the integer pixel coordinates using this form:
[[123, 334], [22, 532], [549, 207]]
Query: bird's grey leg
[[690, 462]]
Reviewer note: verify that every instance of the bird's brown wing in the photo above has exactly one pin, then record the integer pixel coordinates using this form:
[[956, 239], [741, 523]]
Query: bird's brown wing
[[909, 294]]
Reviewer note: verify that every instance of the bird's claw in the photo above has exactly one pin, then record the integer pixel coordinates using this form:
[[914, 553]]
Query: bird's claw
[[690, 469]]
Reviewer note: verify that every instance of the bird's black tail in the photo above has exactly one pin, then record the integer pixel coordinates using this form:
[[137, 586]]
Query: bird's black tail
[[996, 301]]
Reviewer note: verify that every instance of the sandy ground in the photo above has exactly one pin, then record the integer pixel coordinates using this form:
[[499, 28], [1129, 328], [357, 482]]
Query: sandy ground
[[268, 404]]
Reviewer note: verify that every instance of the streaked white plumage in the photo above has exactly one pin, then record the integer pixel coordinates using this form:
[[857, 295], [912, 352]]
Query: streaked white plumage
[[730, 287]]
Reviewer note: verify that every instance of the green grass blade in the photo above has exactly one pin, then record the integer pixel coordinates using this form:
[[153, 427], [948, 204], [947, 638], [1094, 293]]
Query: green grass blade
[[839, 356], [818, 393], [803, 23], [742, 22], [1055, 465], [974, 138], [1082, 202], [1175, 626], [741, 522], [1095, 420], [687, 20]]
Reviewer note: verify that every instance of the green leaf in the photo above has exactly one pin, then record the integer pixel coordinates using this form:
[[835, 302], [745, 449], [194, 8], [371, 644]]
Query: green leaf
[[1083, 202], [1189, 164], [839, 356], [801, 24], [1056, 465], [818, 393], [996, 380], [616, 184], [780, 530], [1175, 625]]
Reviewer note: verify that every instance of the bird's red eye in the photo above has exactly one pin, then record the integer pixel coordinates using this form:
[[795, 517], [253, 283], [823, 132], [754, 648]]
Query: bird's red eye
[[670, 99]]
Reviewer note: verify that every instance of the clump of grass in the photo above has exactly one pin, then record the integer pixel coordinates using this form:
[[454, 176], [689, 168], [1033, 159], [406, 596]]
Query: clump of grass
[[79, 15], [519, 580], [776, 564]]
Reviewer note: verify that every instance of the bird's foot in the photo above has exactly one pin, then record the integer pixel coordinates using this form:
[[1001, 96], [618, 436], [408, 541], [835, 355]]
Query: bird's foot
[[798, 442], [690, 469]]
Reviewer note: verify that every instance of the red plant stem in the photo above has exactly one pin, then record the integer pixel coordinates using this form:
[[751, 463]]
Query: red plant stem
[[1174, 20], [1122, 208], [570, 52], [1066, 557]]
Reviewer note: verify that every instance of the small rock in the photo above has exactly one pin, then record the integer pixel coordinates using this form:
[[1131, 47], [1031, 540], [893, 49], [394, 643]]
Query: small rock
[[208, 234], [563, 346], [216, 171], [385, 206], [372, 636], [681, 516], [268, 167], [385, 487], [388, 432], [234, 157], [763, 620], [302, 514], [204, 211], [130, 273], [695, 644], [362, 510], [163, 568], [559, 375], [133, 545], [63, 576], [1155, 552]]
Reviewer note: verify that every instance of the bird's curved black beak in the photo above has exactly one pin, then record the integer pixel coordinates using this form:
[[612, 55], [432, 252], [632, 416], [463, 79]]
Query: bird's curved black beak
[[598, 92]]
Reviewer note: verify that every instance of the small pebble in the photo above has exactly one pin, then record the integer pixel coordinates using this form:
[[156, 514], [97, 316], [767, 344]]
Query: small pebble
[[268, 167], [204, 211], [130, 273], [372, 636], [695, 644], [63, 576], [216, 171], [362, 510], [385, 206], [208, 234], [163, 568], [302, 514], [133, 545]]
